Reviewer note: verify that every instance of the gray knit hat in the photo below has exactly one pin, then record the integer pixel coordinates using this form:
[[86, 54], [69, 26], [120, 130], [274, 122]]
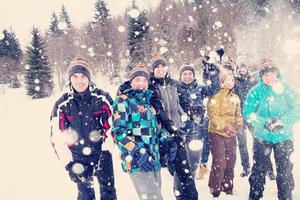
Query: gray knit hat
[[186, 67]]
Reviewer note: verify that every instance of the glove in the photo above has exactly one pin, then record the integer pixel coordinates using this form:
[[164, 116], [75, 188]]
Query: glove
[[77, 171], [143, 159], [274, 125], [210, 68], [197, 114]]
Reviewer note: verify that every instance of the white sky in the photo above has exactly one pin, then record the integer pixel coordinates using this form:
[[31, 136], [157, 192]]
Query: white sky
[[21, 15]]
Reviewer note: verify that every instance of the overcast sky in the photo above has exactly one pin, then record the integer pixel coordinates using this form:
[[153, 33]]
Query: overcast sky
[[21, 15]]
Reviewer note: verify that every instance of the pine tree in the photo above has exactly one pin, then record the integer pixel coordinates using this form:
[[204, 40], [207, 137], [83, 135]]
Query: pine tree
[[102, 12], [53, 28], [138, 28], [38, 74], [64, 17], [10, 57]]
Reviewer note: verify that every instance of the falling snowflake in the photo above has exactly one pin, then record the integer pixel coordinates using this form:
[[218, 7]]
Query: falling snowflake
[[121, 29], [195, 145], [109, 53], [163, 50], [253, 117], [218, 24], [184, 117], [83, 46], [27, 67], [171, 60], [191, 18], [176, 192], [95, 136], [36, 81], [278, 88], [128, 158], [37, 88], [87, 151], [190, 39], [62, 25], [70, 137], [78, 168], [134, 13]]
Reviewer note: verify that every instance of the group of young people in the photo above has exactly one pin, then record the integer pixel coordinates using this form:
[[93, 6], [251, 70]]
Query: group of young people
[[158, 122]]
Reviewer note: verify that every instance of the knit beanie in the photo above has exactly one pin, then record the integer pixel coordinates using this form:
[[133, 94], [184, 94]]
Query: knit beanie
[[139, 70], [157, 61], [186, 67], [79, 65], [266, 65]]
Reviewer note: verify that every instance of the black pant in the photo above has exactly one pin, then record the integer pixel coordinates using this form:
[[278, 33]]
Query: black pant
[[184, 184], [105, 176], [284, 167]]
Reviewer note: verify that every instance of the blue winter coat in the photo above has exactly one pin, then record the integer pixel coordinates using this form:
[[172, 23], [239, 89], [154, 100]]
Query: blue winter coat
[[135, 121], [264, 103], [191, 96], [86, 115]]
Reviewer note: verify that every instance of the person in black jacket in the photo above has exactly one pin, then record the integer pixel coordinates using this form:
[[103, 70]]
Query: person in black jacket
[[191, 96], [79, 122]]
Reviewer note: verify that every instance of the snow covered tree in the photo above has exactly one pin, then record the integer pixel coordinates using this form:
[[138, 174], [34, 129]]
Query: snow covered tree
[[60, 39], [38, 74], [102, 12], [64, 17], [138, 28], [10, 58], [53, 28]]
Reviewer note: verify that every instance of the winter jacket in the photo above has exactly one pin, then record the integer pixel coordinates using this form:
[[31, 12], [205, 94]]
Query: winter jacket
[[135, 121], [155, 101], [264, 103], [192, 95], [85, 115], [166, 89], [242, 85], [223, 110]]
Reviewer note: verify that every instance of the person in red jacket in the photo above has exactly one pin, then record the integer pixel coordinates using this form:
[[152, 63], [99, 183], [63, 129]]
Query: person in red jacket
[[79, 121]]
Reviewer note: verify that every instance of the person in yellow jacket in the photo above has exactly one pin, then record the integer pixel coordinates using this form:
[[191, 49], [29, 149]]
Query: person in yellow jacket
[[225, 121]]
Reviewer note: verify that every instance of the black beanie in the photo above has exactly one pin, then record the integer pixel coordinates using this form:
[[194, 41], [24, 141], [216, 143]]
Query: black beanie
[[79, 65], [186, 67], [139, 70], [158, 61]]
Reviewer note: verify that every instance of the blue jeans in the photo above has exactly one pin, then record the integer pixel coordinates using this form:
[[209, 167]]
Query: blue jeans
[[242, 142], [197, 132]]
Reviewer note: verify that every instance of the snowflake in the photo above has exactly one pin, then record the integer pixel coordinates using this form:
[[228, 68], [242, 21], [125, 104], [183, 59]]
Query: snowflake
[[134, 13], [62, 25], [195, 145], [95, 136], [87, 151], [121, 29], [27, 67], [77, 168], [37, 88]]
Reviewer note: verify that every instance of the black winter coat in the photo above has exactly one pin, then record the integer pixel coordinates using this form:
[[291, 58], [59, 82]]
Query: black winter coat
[[86, 115]]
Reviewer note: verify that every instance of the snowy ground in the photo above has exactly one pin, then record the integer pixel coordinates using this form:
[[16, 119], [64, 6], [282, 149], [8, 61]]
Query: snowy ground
[[29, 169]]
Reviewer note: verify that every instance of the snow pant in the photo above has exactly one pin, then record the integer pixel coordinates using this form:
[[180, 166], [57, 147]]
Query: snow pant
[[223, 151], [242, 142], [147, 185], [184, 184], [104, 173], [284, 167]]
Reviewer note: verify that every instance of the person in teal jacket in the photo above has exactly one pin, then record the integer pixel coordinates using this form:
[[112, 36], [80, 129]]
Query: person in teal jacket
[[271, 109]]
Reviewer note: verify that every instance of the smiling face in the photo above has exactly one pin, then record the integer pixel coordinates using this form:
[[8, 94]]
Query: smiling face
[[270, 78], [187, 77], [139, 83], [79, 82], [160, 71], [242, 70]]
